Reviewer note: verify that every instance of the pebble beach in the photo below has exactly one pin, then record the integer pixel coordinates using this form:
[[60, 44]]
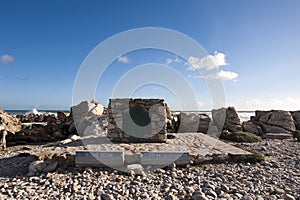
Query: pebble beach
[[278, 177]]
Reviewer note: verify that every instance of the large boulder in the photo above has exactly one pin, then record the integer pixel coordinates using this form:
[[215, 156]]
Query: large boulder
[[85, 116], [226, 119], [250, 127], [193, 122], [275, 121], [296, 117], [8, 124]]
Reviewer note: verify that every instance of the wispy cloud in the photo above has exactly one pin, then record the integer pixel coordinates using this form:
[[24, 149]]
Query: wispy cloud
[[123, 59], [221, 75], [6, 59], [170, 60], [287, 103], [208, 62]]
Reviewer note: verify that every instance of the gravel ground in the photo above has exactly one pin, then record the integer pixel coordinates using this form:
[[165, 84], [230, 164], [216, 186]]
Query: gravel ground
[[277, 178]]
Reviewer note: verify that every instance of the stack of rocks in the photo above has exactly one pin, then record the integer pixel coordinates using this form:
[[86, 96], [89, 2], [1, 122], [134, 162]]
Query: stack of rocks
[[137, 120]]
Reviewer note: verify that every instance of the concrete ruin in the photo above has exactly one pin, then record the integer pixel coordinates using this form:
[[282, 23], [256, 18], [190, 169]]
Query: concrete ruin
[[137, 120]]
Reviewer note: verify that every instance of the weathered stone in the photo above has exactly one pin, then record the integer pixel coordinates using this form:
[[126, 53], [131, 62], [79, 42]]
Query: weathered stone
[[62, 116], [283, 119], [35, 133], [275, 121], [135, 168], [86, 114], [137, 120], [164, 158], [296, 117], [193, 122], [93, 129], [250, 127], [226, 119], [273, 129], [278, 136], [99, 158], [8, 124], [132, 158]]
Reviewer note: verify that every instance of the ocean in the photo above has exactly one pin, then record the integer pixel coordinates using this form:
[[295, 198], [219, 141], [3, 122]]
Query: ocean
[[244, 115], [34, 111]]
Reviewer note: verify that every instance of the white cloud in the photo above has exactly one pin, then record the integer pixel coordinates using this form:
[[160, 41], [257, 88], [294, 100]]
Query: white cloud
[[123, 59], [208, 62], [169, 60], [194, 76], [223, 75], [6, 59]]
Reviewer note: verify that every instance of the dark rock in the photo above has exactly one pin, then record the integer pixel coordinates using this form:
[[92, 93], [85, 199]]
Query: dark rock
[[62, 116], [275, 121], [296, 117], [250, 127], [227, 119]]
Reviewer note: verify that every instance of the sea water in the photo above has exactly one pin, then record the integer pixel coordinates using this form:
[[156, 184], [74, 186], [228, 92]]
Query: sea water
[[34, 111], [244, 115]]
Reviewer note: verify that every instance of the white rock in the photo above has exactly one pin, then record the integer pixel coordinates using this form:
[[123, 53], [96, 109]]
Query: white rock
[[136, 168], [75, 137]]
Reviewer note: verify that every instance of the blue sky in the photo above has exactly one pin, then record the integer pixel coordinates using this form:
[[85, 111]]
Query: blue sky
[[43, 44]]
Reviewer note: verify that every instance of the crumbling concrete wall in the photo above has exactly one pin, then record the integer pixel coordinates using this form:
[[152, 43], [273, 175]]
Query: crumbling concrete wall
[[137, 120]]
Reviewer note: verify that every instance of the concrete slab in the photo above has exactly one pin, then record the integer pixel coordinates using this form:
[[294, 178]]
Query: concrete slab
[[99, 158], [222, 146], [190, 145], [164, 158], [278, 136]]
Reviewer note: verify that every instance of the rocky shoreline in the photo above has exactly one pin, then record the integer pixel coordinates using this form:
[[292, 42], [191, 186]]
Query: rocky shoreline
[[39, 160]]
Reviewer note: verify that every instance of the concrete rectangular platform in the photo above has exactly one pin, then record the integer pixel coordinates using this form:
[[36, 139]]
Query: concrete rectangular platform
[[185, 147], [99, 158]]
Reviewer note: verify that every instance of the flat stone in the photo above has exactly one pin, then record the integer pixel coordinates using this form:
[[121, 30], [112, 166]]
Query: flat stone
[[132, 158], [164, 158], [278, 136], [99, 158], [136, 168], [222, 146]]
